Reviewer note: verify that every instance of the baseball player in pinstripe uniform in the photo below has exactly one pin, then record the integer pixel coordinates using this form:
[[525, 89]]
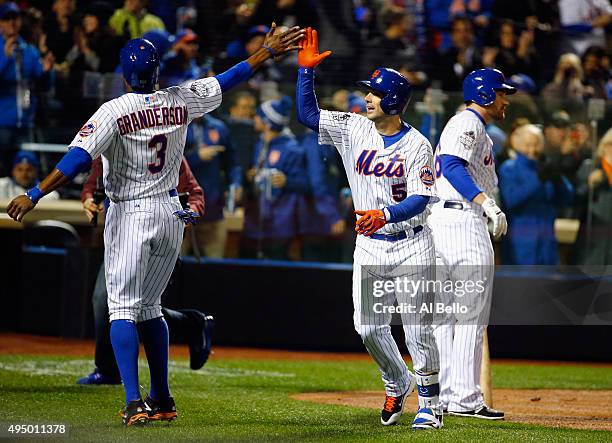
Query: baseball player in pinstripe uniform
[[466, 179], [141, 137], [390, 171]]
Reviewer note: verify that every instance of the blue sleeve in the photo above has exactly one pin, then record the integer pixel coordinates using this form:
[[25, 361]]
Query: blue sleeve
[[234, 75], [75, 161], [408, 208], [453, 168], [516, 187], [307, 108]]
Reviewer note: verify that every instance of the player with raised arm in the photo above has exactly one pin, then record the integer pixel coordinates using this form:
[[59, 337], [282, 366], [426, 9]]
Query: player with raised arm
[[141, 137], [389, 166], [466, 180]]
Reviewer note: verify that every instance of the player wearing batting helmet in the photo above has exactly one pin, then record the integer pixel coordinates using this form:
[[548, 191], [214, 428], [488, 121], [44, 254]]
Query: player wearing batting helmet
[[389, 165], [140, 65], [466, 181]]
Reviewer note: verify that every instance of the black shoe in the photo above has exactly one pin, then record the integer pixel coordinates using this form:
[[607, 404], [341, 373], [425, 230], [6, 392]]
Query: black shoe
[[485, 413], [200, 341], [161, 409], [134, 414], [392, 410]]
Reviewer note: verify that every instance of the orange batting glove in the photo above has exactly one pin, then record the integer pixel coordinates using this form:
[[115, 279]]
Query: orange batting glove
[[308, 55], [370, 221]]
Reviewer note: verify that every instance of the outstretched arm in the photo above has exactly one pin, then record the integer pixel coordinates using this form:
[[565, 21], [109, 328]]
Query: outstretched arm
[[308, 111], [274, 45]]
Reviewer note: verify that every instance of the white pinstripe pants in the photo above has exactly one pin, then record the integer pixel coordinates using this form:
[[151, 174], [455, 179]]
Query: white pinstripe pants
[[142, 240], [463, 252], [414, 258]]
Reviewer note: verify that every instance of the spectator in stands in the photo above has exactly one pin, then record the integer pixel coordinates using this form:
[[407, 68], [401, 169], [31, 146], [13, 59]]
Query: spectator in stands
[[392, 47], [460, 59], [24, 176], [594, 243], [322, 241], [22, 71], [59, 28], [240, 122], [562, 145], [566, 91], [212, 157], [95, 46], [180, 64], [523, 103], [531, 192], [287, 13], [514, 54], [584, 22], [277, 182], [133, 20], [596, 65]]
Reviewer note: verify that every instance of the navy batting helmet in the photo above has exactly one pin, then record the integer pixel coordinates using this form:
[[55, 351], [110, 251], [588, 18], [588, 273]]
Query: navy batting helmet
[[140, 64], [480, 85], [395, 87]]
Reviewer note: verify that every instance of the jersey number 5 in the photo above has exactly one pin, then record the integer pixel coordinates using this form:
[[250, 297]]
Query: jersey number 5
[[159, 143], [399, 192]]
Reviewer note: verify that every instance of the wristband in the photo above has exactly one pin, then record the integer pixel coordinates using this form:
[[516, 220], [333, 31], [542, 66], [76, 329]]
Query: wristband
[[270, 50], [387, 214], [35, 194]]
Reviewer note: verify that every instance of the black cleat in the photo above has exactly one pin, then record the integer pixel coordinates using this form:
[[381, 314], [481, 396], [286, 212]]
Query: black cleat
[[134, 414], [485, 413], [200, 341], [161, 409]]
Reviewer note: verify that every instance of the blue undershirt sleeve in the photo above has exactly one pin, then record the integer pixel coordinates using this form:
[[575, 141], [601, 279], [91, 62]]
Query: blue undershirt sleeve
[[307, 108], [75, 161], [408, 208], [234, 75], [454, 169]]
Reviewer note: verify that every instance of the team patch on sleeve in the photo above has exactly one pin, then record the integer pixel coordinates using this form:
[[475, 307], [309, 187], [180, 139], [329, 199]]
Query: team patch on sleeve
[[468, 139], [427, 176], [88, 128]]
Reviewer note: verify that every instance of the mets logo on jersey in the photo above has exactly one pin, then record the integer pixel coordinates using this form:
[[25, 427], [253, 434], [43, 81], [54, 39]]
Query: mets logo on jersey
[[392, 167], [88, 129], [213, 136], [273, 157], [426, 175]]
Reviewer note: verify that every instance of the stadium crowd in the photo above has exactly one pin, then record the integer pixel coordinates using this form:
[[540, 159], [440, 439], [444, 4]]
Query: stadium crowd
[[59, 61]]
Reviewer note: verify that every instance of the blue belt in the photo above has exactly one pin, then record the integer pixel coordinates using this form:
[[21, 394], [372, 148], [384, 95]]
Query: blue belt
[[397, 236], [173, 193]]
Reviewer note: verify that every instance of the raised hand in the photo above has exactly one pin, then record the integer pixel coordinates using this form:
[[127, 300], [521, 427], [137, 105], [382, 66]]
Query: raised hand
[[279, 43], [308, 55]]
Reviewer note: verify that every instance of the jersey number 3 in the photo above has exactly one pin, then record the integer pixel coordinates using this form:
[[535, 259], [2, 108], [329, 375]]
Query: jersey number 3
[[159, 143]]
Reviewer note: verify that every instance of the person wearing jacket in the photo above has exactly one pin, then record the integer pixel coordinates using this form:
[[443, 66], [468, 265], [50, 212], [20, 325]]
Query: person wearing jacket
[[596, 177], [22, 70], [213, 160], [531, 192], [277, 183]]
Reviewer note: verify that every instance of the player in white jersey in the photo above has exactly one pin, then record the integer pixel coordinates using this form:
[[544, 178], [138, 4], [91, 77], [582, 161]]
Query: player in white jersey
[[141, 137], [466, 179], [390, 171]]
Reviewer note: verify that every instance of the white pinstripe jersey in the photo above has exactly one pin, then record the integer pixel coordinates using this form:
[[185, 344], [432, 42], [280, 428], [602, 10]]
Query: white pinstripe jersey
[[379, 176], [141, 137], [464, 136]]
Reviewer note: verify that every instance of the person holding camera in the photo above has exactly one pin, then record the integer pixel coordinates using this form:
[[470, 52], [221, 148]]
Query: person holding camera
[[532, 188], [567, 90], [276, 182]]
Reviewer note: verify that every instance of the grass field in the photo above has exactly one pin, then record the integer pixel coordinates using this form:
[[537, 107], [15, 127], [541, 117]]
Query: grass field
[[248, 400]]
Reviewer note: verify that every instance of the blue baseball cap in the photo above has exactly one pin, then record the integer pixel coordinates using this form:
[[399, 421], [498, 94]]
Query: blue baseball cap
[[26, 157], [8, 9]]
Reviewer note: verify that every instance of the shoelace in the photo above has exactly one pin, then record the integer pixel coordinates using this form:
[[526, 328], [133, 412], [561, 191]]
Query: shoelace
[[390, 403]]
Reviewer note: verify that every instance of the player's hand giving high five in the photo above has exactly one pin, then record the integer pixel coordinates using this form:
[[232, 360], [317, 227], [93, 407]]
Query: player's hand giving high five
[[278, 43], [308, 55]]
